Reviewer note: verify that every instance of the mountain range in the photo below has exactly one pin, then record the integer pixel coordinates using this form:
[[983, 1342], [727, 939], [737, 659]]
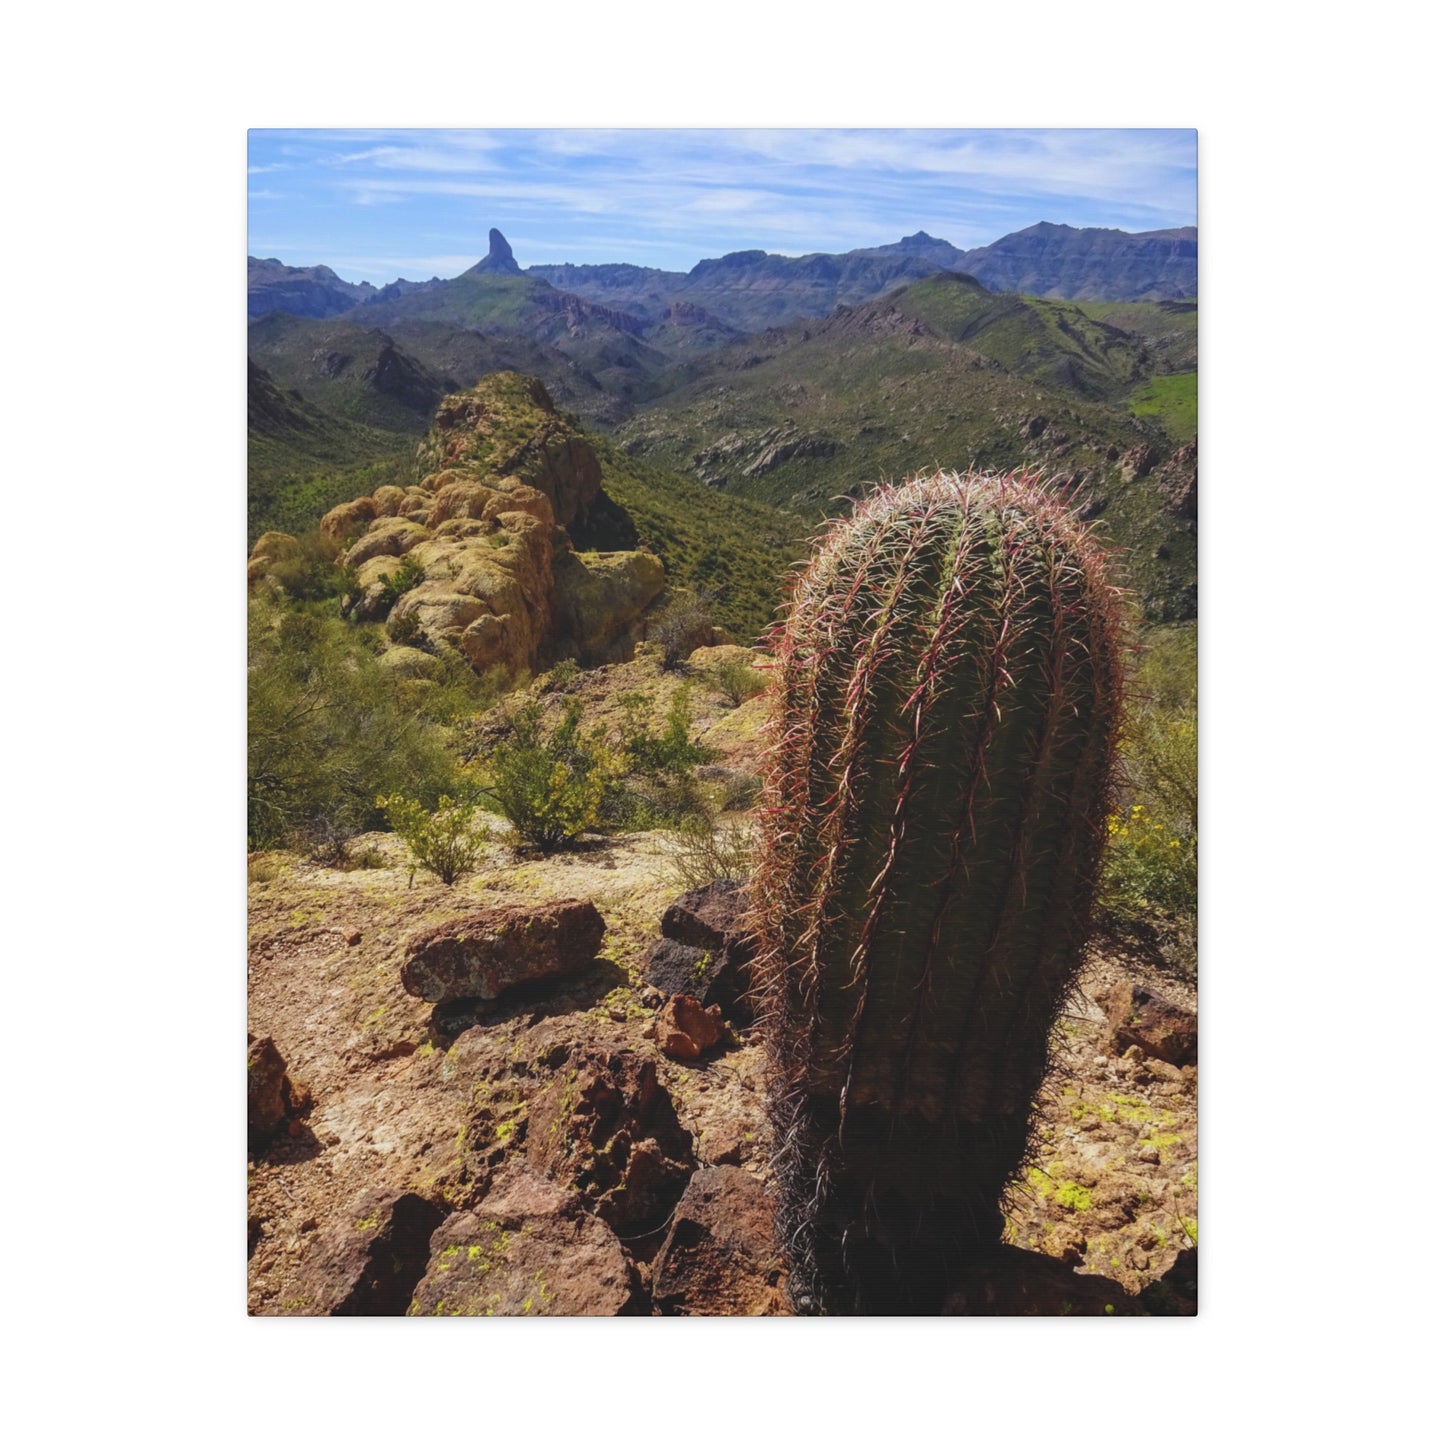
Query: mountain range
[[748, 289], [788, 383]]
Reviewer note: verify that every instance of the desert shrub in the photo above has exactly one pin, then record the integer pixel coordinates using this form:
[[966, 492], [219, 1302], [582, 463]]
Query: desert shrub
[[311, 572], [328, 730], [1149, 888], [738, 682], [452, 693], [364, 858], [731, 790], [406, 630], [672, 752], [562, 674], [446, 841], [408, 574], [549, 787], [653, 781], [326, 839], [263, 868], [1148, 868], [703, 851], [664, 800], [685, 624]]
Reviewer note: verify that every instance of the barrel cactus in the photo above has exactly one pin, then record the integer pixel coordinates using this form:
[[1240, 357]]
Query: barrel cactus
[[946, 711]]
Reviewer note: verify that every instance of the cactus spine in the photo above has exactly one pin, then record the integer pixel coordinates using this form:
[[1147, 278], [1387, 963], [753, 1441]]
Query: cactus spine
[[944, 733]]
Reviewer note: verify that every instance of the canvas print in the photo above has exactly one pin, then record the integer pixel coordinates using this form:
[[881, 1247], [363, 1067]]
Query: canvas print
[[722, 723]]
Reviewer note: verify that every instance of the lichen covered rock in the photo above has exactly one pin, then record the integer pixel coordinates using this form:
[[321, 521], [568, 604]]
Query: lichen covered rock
[[527, 1249], [496, 948], [490, 568]]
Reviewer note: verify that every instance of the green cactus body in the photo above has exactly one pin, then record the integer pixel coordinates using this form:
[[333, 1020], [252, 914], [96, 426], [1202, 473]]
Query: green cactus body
[[945, 722]]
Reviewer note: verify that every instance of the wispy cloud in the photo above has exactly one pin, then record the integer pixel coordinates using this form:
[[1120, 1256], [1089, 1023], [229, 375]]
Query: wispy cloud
[[673, 197]]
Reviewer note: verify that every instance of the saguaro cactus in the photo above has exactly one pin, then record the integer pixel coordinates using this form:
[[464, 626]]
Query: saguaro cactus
[[945, 724]]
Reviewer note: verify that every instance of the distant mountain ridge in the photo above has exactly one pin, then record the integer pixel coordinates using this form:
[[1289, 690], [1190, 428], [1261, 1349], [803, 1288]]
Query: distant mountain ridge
[[1063, 263], [751, 290], [755, 289]]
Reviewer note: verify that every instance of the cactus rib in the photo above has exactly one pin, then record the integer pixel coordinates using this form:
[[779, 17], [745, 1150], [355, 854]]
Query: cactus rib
[[942, 752]]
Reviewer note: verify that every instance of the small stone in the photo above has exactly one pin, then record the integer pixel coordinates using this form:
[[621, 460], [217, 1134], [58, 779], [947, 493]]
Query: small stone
[[685, 1029], [652, 997], [1100, 1062], [1133, 1054], [1147, 1154], [353, 938]]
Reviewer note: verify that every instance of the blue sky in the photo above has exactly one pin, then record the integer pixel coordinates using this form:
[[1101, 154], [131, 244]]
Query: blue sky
[[377, 204]]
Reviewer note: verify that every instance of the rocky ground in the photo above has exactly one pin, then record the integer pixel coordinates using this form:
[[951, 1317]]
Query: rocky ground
[[577, 1167], [592, 1141]]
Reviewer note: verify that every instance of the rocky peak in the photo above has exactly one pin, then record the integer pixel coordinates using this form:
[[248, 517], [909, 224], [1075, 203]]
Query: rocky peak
[[499, 260]]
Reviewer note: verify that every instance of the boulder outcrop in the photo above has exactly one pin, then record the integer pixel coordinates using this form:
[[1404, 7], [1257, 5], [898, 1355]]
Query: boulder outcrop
[[606, 1127], [476, 555]]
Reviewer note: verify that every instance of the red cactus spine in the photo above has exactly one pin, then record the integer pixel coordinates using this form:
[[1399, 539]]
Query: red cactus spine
[[945, 729]]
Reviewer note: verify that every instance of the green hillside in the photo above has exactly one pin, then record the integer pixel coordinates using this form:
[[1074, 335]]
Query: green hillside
[[1174, 401], [1056, 342], [733, 550], [810, 416]]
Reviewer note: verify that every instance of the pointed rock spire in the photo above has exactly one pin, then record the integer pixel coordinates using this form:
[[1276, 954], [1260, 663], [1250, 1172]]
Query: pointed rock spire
[[499, 260]]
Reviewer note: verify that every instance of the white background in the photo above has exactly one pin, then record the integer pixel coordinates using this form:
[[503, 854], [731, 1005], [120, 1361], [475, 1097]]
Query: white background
[[123, 370]]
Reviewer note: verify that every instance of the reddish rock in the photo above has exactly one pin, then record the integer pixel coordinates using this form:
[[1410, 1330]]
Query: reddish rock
[[685, 1030], [486, 952], [273, 1098], [720, 1256], [1162, 1030], [558, 1261], [605, 1126], [370, 1259]]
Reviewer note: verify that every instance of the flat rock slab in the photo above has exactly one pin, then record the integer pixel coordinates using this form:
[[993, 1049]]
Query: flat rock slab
[[720, 1257], [531, 1252], [487, 952], [370, 1259]]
